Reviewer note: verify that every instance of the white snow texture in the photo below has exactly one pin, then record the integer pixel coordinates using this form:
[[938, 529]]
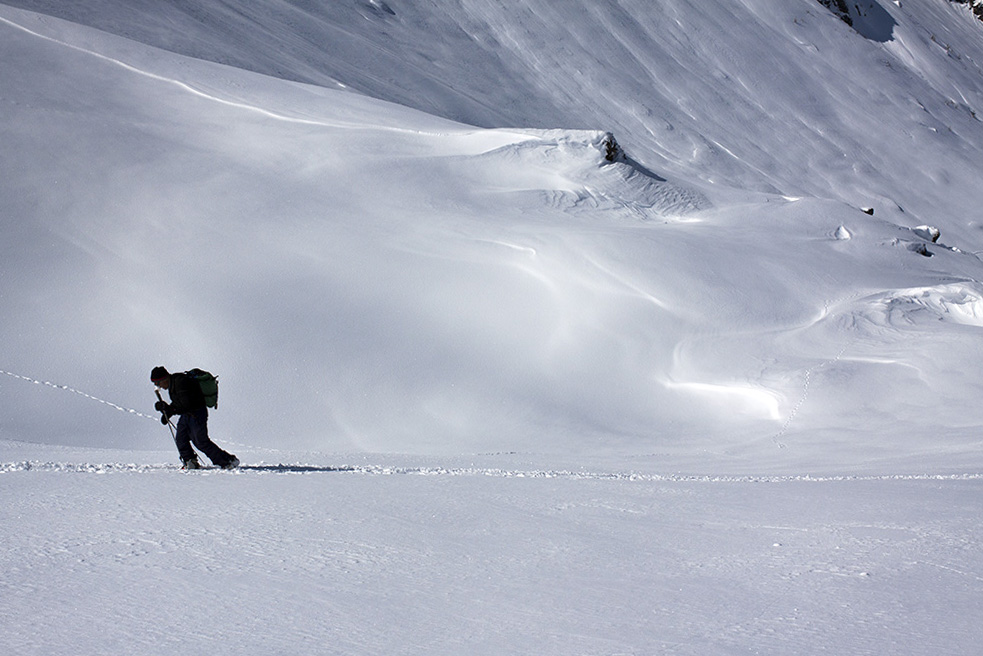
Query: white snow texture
[[542, 327]]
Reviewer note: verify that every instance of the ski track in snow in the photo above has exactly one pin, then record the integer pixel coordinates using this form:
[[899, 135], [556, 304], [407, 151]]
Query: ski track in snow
[[67, 388], [382, 470]]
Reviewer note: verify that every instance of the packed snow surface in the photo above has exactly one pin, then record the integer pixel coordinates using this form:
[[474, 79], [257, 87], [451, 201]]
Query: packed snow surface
[[549, 327]]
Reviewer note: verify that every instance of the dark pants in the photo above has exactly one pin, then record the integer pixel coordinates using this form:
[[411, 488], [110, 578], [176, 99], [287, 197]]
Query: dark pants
[[192, 428]]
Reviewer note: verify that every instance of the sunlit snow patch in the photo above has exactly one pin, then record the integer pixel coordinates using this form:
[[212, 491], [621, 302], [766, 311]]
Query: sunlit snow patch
[[742, 399]]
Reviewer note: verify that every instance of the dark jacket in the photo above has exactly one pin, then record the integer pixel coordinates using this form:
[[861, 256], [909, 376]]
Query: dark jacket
[[185, 393]]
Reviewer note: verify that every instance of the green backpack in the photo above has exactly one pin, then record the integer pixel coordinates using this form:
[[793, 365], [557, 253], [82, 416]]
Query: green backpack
[[209, 386]]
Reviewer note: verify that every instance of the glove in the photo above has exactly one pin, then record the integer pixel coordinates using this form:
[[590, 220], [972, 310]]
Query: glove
[[164, 410]]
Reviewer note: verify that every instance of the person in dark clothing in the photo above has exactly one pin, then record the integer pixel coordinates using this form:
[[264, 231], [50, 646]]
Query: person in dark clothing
[[188, 401]]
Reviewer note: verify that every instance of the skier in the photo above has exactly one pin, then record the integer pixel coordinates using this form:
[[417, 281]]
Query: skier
[[188, 401]]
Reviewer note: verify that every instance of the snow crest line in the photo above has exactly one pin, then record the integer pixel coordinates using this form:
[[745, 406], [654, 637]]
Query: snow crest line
[[380, 470], [201, 94], [66, 388], [160, 78]]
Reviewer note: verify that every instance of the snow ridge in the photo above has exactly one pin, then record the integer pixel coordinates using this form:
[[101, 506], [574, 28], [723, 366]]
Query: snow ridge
[[184, 86]]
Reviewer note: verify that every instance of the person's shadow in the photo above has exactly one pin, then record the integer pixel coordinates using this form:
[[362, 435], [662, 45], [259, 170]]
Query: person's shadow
[[294, 469]]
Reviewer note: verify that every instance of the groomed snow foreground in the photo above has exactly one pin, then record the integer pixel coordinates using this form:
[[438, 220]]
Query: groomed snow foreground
[[629, 369]]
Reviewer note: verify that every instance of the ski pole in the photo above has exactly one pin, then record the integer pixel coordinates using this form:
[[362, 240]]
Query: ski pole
[[164, 419]]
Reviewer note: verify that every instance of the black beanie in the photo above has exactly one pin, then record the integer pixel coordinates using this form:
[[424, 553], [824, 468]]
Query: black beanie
[[158, 374]]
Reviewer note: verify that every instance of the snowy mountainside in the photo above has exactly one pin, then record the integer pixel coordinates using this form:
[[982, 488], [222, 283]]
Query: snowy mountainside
[[683, 90], [363, 275]]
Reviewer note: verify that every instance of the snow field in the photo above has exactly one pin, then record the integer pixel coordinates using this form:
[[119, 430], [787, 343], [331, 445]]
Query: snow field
[[327, 561]]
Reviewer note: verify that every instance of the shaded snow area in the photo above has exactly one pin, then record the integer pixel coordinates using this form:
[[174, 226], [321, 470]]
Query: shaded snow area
[[541, 327]]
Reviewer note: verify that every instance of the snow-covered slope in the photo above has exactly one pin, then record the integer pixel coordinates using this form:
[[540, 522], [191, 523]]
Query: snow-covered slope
[[756, 93], [365, 276], [543, 327]]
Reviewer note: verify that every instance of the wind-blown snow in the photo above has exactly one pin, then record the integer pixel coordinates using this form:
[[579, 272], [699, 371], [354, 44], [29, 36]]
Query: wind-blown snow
[[602, 274]]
